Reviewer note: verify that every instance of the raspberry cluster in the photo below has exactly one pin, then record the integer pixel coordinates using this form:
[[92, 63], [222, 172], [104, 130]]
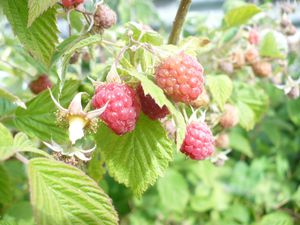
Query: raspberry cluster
[[123, 107], [198, 143], [181, 78], [40, 84]]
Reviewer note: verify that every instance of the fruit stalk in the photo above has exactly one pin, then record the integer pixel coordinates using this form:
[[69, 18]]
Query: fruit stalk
[[179, 20]]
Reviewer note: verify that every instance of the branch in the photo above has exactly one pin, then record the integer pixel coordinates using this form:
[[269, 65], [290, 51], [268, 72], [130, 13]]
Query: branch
[[179, 20]]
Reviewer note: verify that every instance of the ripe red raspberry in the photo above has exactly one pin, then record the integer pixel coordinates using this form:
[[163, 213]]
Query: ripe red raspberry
[[40, 84], [70, 3], [198, 143], [181, 77], [123, 107], [149, 107], [230, 117], [104, 17], [253, 37]]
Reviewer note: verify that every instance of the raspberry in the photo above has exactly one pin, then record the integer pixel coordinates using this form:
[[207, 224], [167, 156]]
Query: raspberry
[[123, 107], [149, 107], [181, 77], [230, 117], [202, 100], [40, 84], [252, 55], [294, 93], [198, 143], [290, 30], [262, 69], [74, 58], [70, 3], [285, 21], [238, 59], [222, 141], [104, 17], [226, 67], [86, 58], [253, 37]]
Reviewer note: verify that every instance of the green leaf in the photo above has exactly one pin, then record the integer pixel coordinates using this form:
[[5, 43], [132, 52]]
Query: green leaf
[[202, 200], [5, 187], [22, 213], [269, 47], [76, 20], [39, 119], [12, 98], [63, 194], [6, 141], [293, 107], [37, 8], [241, 15], [20, 143], [144, 34], [252, 102], [136, 159], [276, 218], [229, 34], [6, 107], [220, 87], [23, 144], [64, 46], [246, 116], [7, 220], [240, 143], [40, 38], [159, 97], [173, 191], [96, 169], [192, 44]]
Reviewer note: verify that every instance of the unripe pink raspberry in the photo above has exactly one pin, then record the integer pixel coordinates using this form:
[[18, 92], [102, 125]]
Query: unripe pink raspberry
[[198, 143], [253, 37], [40, 84], [230, 117], [226, 67], [181, 77], [123, 108], [149, 107], [222, 141], [202, 101]]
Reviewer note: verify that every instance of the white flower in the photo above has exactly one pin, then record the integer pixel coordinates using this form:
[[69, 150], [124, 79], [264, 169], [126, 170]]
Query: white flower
[[77, 119], [289, 85], [70, 151]]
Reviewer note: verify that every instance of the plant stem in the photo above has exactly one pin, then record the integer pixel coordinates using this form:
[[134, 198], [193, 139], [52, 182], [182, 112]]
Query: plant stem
[[21, 158], [179, 20], [15, 67]]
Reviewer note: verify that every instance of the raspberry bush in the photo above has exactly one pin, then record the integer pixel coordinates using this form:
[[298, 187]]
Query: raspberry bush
[[104, 120]]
